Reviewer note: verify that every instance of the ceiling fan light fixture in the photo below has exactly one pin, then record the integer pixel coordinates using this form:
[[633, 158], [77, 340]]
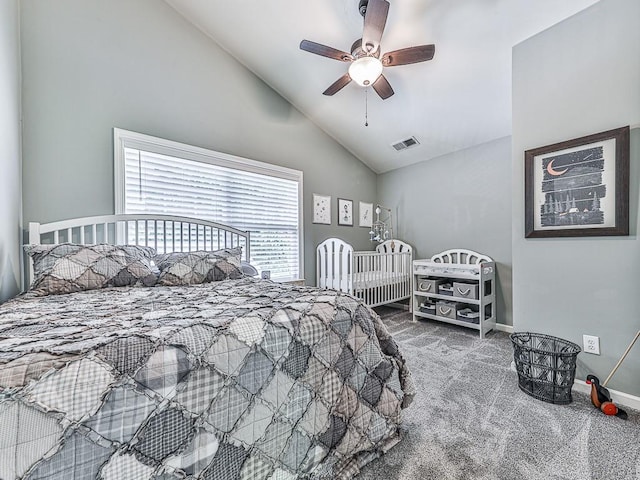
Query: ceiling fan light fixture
[[366, 60], [365, 70]]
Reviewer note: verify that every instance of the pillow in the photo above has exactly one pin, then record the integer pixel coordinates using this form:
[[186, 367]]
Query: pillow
[[68, 267], [190, 268]]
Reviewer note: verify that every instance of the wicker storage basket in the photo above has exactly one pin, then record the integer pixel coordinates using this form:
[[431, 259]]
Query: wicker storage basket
[[546, 366]]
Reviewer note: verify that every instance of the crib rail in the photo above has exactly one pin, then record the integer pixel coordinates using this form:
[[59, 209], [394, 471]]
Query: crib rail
[[378, 278], [382, 278]]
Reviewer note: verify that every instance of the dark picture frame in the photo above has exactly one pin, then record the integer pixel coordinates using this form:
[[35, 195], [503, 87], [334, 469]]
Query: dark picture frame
[[579, 187], [345, 212]]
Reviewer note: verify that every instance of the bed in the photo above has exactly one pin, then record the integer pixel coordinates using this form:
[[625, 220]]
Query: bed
[[230, 377], [376, 277]]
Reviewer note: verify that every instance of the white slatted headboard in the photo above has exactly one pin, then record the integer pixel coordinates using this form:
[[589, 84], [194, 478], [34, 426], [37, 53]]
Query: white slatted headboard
[[394, 246], [334, 266], [462, 256], [165, 233]]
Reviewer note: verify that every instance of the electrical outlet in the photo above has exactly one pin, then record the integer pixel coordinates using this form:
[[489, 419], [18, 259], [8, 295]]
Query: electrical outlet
[[591, 344]]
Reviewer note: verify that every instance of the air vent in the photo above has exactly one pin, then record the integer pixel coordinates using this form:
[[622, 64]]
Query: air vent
[[404, 144]]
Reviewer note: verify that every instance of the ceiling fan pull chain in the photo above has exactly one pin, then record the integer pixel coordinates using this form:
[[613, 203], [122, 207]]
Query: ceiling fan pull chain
[[366, 107]]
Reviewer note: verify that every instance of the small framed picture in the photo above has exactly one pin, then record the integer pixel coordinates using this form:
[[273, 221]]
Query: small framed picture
[[322, 209], [345, 212], [366, 214]]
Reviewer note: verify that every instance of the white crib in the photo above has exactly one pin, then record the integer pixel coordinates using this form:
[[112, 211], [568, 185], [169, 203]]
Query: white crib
[[377, 277]]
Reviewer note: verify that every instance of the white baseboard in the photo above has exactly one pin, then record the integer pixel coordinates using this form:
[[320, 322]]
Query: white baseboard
[[501, 327], [620, 398]]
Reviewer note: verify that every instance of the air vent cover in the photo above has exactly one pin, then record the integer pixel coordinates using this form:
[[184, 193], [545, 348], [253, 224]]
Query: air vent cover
[[404, 144]]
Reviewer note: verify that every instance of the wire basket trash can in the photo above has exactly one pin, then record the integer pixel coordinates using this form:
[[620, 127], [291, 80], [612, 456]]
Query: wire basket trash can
[[546, 366]]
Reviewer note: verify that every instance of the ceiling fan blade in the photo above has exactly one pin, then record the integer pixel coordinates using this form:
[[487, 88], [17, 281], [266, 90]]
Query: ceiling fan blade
[[375, 19], [325, 51], [405, 56], [382, 87], [338, 85]]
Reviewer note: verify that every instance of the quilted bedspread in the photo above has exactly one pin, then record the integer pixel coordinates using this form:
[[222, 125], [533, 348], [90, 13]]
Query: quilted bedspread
[[239, 379]]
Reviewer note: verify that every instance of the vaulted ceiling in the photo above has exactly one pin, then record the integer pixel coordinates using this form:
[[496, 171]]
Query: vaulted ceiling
[[459, 99]]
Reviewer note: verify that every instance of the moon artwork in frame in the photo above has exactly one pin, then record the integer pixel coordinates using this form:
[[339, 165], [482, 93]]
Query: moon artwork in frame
[[579, 187], [366, 214], [321, 209], [345, 212]]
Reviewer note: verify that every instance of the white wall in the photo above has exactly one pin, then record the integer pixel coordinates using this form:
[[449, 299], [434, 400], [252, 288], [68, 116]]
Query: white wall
[[580, 77], [10, 164], [460, 200], [91, 65]]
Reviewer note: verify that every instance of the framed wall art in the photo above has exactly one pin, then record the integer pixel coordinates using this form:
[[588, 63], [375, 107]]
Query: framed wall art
[[345, 212], [579, 187], [366, 214], [322, 209]]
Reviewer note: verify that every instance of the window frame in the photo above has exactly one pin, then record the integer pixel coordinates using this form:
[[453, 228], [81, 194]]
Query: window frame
[[125, 138]]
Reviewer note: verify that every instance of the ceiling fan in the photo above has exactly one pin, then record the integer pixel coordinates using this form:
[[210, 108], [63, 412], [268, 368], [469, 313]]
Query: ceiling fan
[[366, 61]]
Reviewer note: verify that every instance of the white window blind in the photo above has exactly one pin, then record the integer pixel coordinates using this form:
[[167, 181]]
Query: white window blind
[[176, 179]]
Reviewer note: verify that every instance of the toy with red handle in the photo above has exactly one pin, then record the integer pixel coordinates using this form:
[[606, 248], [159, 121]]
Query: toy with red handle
[[600, 396]]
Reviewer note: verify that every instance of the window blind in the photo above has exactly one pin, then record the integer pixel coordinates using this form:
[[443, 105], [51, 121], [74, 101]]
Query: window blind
[[265, 205]]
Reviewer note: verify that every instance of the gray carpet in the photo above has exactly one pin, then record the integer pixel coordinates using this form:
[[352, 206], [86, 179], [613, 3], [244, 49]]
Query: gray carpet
[[470, 421]]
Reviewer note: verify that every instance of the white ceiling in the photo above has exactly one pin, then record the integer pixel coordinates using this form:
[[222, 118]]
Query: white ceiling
[[459, 99]]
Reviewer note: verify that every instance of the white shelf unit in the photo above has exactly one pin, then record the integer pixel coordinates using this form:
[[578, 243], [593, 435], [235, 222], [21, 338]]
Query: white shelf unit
[[482, 273]]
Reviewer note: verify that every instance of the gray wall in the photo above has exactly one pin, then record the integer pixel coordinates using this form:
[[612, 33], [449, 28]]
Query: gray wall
[[91, 65], [460, 200], [10, 164], [580, 77]]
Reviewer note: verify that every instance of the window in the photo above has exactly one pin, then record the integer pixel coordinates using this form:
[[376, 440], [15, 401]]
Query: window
[[153, 175]]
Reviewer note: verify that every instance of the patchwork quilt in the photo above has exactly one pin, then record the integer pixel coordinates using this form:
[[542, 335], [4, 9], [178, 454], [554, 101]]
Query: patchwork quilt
[[233, 380]]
